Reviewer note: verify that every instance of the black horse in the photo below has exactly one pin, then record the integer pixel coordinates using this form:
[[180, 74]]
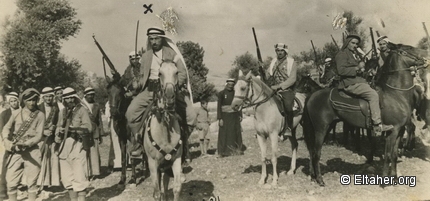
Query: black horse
[[396, 97], [118, 106]]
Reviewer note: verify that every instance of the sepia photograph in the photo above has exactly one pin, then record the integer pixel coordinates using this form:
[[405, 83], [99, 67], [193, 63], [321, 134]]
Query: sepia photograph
[[209, 100]]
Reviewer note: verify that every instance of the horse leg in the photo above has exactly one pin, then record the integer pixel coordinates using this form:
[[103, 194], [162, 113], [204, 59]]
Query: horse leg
[[294, 146], [357, 139], [263, 148], [394, 154], [411, 137], [371, 137], [346, 131], [133, 171], [274, 142], [177, 183], [165, 186], [155, 176], [319, 139], [123, 144]]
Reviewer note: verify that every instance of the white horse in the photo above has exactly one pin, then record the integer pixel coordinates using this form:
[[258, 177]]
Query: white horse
[[268, 120], [162, 138]]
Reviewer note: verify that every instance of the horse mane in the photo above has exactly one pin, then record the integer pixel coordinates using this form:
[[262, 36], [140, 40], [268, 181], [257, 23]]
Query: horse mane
[[266, 89]]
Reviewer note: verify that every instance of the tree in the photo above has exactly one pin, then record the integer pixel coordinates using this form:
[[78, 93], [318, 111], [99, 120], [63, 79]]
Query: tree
[[193, 55], [31, 45], [423, 44], [247, 62], [353, 27]]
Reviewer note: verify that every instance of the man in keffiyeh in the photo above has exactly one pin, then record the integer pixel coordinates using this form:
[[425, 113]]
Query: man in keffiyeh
[[13, 100], [282, 74], [160, 48], [50, 169], [383, 48], [95, 116]]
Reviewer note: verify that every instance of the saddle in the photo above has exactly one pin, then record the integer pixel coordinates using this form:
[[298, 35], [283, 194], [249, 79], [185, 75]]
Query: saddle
[[298, 104], [346, 103]]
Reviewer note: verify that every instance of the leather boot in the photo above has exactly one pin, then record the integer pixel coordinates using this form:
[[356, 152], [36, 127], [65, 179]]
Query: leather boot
[[290, 121], [32, 196], [73, 195], [82, 195], [13, 197]]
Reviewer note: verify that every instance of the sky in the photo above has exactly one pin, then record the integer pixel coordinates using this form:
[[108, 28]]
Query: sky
[[224, 28]]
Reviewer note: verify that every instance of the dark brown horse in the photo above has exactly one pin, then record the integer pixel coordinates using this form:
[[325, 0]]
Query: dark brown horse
[[396, 97], [118, 106]]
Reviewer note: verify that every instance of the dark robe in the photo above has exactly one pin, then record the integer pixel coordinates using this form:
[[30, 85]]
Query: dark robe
[[230, 134], [50, 166], [4, 118]]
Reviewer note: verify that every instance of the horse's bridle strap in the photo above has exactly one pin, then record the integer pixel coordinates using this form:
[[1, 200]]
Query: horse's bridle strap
[[167, 156]]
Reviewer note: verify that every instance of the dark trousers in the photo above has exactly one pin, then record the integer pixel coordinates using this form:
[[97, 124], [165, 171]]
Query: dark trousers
[[288, 100], [3, 189]]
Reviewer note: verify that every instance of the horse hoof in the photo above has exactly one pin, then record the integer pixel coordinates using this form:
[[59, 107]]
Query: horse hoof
[[133, 185], [291, 172], [261, 182], [274, 184], [321, 183]]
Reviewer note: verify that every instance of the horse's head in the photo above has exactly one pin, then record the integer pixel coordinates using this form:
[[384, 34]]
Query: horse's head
[[307, 85], [168, 82], [241, 90], [115, 95], [402, 57]]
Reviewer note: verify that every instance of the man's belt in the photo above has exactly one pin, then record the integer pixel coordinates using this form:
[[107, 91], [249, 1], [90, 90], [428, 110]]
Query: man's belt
[[153, 85], [227, 109]]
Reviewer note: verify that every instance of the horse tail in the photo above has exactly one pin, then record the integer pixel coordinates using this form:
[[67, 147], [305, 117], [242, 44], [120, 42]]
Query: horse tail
[[308, 129]]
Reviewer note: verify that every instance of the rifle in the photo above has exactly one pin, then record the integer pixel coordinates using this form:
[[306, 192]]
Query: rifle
[[377, 34], [427, 34], [135, 44], [334, 41], [315, 53], [260, 68], [374, 54], [106, 58]]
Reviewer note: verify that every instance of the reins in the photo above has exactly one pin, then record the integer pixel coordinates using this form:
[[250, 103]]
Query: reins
[[248, 101]]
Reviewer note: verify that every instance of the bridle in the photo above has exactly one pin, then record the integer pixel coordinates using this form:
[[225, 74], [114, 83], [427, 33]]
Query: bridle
[[416, 59], [248, 100]]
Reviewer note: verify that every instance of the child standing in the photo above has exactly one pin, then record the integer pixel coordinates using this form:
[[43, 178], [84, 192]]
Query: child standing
[[202, 126]]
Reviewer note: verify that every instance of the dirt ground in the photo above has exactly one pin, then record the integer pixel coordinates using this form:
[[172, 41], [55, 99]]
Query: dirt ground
[[236, 177]]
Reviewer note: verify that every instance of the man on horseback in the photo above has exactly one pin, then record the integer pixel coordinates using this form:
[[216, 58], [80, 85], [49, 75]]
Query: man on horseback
[[383, 48], [282, 74], [160, 48], [131, 75], [350, 69]]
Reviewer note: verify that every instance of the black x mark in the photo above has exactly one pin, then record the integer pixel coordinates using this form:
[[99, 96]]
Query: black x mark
[[148, 8]]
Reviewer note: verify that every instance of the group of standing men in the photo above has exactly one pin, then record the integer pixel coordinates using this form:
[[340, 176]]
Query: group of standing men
[[49, 142]]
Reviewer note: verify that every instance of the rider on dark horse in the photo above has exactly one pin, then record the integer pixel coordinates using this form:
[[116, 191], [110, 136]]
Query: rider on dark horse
[[282, 75], [350, 69]]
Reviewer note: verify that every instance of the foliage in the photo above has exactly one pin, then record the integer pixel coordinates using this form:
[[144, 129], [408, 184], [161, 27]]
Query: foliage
[[193, 55], [247, 62], [353, 27], [423, 44], [31, 45]]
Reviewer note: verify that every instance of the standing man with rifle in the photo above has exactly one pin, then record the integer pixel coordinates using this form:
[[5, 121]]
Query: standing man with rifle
[[73, 135], [21, 134], [12, 99]]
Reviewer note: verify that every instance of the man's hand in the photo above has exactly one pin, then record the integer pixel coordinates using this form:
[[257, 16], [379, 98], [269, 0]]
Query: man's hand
[[275, 87], [128, 94], [8, 145], [361, 64], [221, 123], [57, 139], [47, 132]]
